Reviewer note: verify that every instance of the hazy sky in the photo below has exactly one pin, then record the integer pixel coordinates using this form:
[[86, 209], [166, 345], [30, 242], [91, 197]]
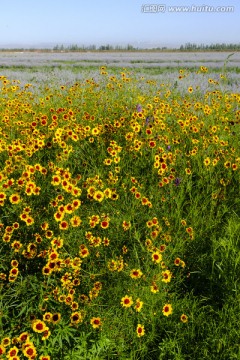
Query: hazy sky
[[33, 23]]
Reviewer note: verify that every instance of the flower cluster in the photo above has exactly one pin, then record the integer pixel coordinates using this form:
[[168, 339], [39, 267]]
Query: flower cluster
[[96, 183]]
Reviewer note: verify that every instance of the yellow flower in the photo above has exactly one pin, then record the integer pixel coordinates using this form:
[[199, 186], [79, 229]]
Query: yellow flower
[[76, 318], [227, 164], [98, 195], [29, 220], [5, 342], [156, 257], [83, 251], [166, 276], [56, 180], [136, 274], [76, 203], [112, 265], [56, 318], [63, 225], [38, 326], [2, 196], [207, 161], [107, 161], [47, 316], [188, 171], [105, 224], [140, 330], [13, 271], [75, 221], [167, 309], [108, 193], [126, 225], [184, 318], [58, 216], [29, 350], [12, 352], [177, 261], [23, 337], [96, 322], [14, 199], [154, 288], [2, 349], [183, 222], [126, 301], [139, 305], [69, 208], [16, 245], [46, 333]]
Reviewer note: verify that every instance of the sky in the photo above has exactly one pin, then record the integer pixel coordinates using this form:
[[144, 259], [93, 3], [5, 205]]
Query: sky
[[142, 23]]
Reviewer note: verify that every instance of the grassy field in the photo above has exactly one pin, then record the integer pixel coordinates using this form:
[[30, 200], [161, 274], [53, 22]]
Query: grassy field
[[128, 58], [61, 68], [119, 212]]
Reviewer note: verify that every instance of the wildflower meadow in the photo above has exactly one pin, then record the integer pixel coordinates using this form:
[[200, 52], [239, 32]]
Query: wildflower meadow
[[120, 219]]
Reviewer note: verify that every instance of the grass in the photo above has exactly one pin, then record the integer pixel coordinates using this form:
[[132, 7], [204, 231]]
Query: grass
[[119, 218]]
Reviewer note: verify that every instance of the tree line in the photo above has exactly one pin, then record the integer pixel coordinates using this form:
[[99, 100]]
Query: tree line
[[187, 47], [81, 48]]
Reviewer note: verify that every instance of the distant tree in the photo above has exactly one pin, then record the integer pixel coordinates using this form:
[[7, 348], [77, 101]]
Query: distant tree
[[212, 47], [130, 47], [118, 47]]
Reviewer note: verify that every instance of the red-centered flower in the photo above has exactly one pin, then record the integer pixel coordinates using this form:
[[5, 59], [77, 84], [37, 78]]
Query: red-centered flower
[[136, 273], [63, 225], [16, 225], [12, 352], [30, 352], [46, 270], [2, 350], [177, 261], [76, 318], [56, 318], [84, 252], [15, 199], [167, 310], [137, 195], [23, 337], [140, 330], [29, 220], [38, 326], [166, 276], [44, 357], [184, 318], [56, 180], [126, 301], [47, 316], [152, 144], [2, 196], [96, 322], [104, 224], [156, 257]]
